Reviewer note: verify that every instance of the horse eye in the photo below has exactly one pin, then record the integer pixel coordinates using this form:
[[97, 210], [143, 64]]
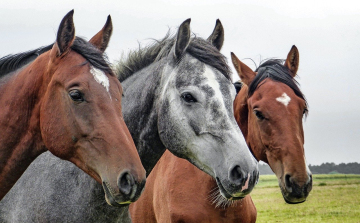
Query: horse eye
[[76, 95], [188, 98], [259, 115]]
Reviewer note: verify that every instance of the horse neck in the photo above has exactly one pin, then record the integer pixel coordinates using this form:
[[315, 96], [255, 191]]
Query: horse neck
[[139, 106], [20, 139]]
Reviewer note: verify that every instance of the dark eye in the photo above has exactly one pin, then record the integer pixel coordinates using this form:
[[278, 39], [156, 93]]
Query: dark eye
[[188, 98], [76, 95], [259, 115]]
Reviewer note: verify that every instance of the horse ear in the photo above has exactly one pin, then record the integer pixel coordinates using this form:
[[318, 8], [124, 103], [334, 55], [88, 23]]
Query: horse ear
[[102, 38], [245, 73], [217, 36], [183, 38], [292, 60], [66, 33]]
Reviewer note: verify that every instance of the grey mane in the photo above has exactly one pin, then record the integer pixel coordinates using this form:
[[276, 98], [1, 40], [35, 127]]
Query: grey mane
[[198, 47]]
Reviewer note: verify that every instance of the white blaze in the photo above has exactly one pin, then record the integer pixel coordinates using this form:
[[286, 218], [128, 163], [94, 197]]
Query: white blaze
[[214, 84], [284, 99], [101, 78]]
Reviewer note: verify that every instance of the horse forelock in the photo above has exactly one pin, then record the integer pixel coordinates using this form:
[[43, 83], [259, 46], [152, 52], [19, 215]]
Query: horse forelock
[[93, 55], [199, 48], [275, 70]]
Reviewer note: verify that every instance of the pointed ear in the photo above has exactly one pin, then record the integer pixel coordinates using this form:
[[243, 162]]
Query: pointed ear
[[183, 38], [102, 38], [217, 36], [292, 60], [66, 34], [245, 73]]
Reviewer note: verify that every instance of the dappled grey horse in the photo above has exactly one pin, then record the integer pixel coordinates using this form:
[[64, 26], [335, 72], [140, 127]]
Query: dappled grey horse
[[178, 95]]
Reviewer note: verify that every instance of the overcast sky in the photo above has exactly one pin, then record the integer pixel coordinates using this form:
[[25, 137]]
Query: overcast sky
[[327, 34]]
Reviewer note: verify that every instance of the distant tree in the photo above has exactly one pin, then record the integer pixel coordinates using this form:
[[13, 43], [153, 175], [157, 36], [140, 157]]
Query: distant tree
[[346, 168], [324, 168]]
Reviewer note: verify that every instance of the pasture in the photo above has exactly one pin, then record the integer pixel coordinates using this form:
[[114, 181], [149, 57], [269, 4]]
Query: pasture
[[334, 198]]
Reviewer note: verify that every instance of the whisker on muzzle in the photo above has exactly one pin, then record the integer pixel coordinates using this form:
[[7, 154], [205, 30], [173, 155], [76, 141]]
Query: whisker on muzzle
[[219, 201]]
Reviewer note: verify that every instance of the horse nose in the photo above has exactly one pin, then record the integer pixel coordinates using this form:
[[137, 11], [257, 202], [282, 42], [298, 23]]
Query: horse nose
[[242, 180], [288, 183], [126, 183], [296, 191], [130, 187]]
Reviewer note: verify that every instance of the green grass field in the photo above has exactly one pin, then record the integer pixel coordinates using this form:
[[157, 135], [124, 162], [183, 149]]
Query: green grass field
[[334, 198]]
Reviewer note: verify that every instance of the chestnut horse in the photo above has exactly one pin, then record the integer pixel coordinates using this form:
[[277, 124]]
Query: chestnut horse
[[67, 101], [269, 109]]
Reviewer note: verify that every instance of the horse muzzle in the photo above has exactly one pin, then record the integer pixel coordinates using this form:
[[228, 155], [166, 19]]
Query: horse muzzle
[[128, 190], [239, 184], [292, 192]]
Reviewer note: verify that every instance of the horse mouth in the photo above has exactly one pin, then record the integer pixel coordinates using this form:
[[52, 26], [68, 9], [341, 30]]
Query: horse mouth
[[296, 202], [291, 200], [226, 194], [111, 198]]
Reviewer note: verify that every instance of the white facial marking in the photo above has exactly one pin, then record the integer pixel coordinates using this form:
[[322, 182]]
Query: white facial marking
[[246, 185], [284, 99], [214, 84], [193, 61], [101, 78], [211, 80]]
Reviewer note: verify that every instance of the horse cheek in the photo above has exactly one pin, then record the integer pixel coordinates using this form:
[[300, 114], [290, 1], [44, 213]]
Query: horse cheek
[[54, 126]]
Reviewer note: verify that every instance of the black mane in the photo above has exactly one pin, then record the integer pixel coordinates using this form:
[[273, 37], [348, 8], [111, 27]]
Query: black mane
[[275, 70], [13, 62], [199, 48], [94, 56]]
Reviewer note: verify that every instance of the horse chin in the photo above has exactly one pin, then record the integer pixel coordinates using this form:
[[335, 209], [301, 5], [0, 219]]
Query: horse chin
[[291, 200], [294, 202], [110, 198], [225, 194]]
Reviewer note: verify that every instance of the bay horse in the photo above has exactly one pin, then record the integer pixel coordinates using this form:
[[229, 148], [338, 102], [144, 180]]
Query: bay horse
[[269, 109], [178, 95], [67, 100]]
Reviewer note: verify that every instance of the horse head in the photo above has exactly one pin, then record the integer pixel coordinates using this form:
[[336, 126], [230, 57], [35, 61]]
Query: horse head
[[196, 117], [269, 109], [80, 114]]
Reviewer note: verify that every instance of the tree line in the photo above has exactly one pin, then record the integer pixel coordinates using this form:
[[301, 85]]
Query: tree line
[[324, 168]]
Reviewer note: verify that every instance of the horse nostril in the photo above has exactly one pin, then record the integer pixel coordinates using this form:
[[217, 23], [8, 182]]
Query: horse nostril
[[310, 179], [126, 183], [288, 183], [256, 176], [309, 184], [236, 175]]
